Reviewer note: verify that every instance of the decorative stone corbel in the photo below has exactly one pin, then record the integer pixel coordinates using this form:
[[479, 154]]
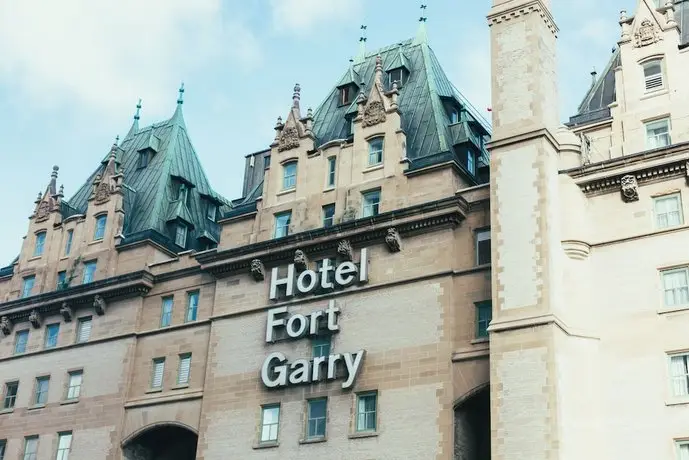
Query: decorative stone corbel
[[348, 214], [99, 305], [344, 249], [629, 188], [300, 260], [35, 319], [6, 325], [258, 271], [393, 240], [66, 312]]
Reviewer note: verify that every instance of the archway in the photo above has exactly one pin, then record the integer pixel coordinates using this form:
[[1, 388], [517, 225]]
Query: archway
[[472, 425], [168, 441]]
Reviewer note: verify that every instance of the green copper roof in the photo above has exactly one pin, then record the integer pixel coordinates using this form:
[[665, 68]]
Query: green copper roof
[[399, 60]]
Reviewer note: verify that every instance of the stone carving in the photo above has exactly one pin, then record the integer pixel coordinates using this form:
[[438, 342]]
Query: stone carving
[[66, 312], [349, 214], [630, 188], [6, 325], [647, 34], [393, 240], [258, 271], [103, 192], [300, 260], [43, 211], [344, 249], [35, 319], [374, 113], [289, 139], [99, 305]]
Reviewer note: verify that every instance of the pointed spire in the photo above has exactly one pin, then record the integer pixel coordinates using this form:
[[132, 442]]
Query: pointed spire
[[296, 96], [177, 117], [135, 125], [52, 188], [421, 34], [379, 71]]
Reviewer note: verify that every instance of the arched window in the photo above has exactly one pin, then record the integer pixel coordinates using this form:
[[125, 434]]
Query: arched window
[[375, 151], [99, 233], [289, 175], [653, 75], [40, 244]]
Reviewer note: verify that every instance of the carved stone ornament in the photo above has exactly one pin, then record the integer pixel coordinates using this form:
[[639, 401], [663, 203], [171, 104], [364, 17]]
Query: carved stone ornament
[[43, 211], [344, 249], [348, 214], [289, 139], [66, 312], [35, 319], [6, 325], [99, 305], [258, 271], [629, 188], [103, 192], [374, 113], [393, 240], [647, 34], [300, 260]]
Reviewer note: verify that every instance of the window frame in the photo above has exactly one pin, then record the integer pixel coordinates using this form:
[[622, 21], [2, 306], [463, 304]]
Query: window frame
[[212, 211], [379, 153], [656, 214], [26, 455], [63, 452], [651, 124], [8, 402], [345, 96], [391, 80], [39, 243], [481, 307], [80, 328], [155, 362], [321, 342], [471, 162], [38, 392], [309, 419], [192, 294], [61, 279], [289, 181], [357, 426], [101, 224], [478, 240], [331, 177], [3, 447], [22, 333], [276, 232], [679, 443], [646, 64], [46, 338], [69, 393], [166, 314], [664, 291], [264, 408], [68, 241], [187, 377], [328, 221], [454, 116], [87, 269], [181, 235], [25, 283], [366, 204]]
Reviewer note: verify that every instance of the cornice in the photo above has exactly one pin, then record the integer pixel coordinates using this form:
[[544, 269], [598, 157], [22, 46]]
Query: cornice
[[506, 13]]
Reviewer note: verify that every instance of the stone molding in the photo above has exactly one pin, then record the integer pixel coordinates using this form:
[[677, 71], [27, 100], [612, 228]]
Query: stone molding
[[535, 6], [614, 183]]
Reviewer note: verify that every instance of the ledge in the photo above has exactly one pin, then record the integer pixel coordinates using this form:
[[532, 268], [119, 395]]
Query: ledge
[[480, 340], [7, 411], [68, 346], [266, 445], [652, 94], [159, 398], [470, 354], [94, 242], [36, 406], [373, 168], [180, 387], [363, 434], [286, 191], [677, 309], [154, 390], [67, 402], [677, 401], [313, 440]]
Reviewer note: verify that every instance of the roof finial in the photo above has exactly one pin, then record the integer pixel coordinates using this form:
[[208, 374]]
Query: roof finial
[[54, 173], [117, 141], [421, 34], [138, 110], [362, 44], [296, 96], [594, 74], [180, 99]]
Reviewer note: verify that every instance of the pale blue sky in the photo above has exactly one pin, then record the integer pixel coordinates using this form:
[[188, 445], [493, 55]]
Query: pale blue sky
[[71, 73]]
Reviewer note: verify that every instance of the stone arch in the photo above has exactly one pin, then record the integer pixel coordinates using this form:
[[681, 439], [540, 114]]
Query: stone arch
[[472, 424], [161, 441]]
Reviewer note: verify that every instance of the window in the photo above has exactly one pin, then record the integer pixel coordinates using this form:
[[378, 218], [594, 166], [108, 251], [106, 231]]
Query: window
[[454, 116], [375, 151], [10, 397], [682, 450], [346, 94], [211, 212], [328, 215], [3, 443], [20, 341], [675, 287], [396, 75], [289, 175], [64, 445], [483, 247], [471, 162], [668, 211], [321, 346], [74, 384], [266, 162], [30, 448], [51, 333], [316, 418], [39, 244], [166, 313], [332, 162], [366, 412], [100, 227], [184, 368], [270, 420], [157, 374], [181, 235], [653, 75], [143, 159], [679, 374], [27, 285], [658, 134], [61, 280], [68, 242], [192, 306], [484, 313], [371, 203], [41, 395], [89, 271], [282, 222], [84, 329]]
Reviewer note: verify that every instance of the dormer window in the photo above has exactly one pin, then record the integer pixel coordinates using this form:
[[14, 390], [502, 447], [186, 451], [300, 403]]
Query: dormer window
[[212, 211], [454, 116], [143, 159], [471, 162], [396, 75], [181, 235], [653, 75], [347, 94]]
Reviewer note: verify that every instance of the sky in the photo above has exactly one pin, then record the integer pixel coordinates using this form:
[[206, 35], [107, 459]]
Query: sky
[[71, 73]]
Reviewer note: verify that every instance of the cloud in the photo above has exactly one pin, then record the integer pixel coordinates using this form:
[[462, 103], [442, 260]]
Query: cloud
[[98, 53], [302, 16]]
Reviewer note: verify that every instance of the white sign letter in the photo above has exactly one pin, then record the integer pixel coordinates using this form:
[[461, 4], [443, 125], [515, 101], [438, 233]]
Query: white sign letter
[[288, 282], [274, 366], [272, 321]]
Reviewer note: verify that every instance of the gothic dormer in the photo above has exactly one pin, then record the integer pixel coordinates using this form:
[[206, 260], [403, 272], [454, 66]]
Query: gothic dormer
[[289, 135], [349, 85], [373, 109], [48, 201], [110, 181], [398, 69]]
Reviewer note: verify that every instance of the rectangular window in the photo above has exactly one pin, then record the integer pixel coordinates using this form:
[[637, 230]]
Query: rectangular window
[[316, 418], [484, 313], [89, 272], [10, 396], [3, 444], [332, 163], [345, 95], [454, 116], [30, 448], [181, 235], [321, 346], [74, 384], [668, 211], [658, 134], [679, 373], [289, 176], [212, 211], [282, 222], [266, 162], [27, 285], [371, 203], [84, 329], [39, 244], [184, 368], [328, 215], [64, 445], [61, 280], [51, 333], [366, 412], [375, 151], [157, 374], [42, 385], [471, 162], [675, 287], [166, 311], [396, 75], [143, 159], [653, 75], [682, 450], [192, 306], [68, 242], [20, 341], [483, 247], [99, 233], [270, 421]]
